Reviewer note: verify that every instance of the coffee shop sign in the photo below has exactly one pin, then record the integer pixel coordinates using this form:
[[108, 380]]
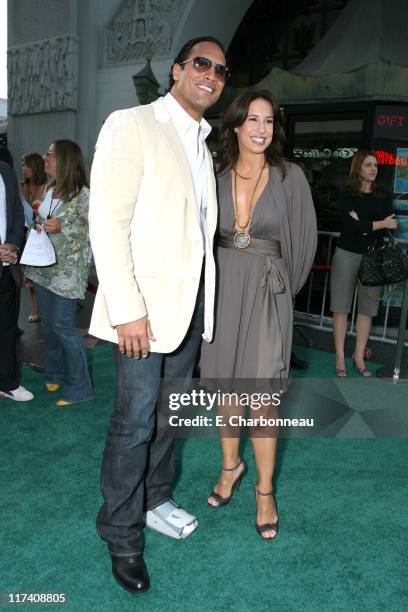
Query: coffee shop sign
[[341, 152]]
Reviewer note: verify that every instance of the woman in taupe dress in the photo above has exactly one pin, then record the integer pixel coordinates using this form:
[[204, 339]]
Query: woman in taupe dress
[[266, 243]]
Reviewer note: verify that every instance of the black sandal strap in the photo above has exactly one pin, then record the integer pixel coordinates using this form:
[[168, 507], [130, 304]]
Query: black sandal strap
[[267, 526], [260, 493], [231, 469], [218, 498]]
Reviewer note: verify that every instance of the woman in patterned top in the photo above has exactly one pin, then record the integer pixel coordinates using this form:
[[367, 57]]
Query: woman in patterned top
[[63, 214]]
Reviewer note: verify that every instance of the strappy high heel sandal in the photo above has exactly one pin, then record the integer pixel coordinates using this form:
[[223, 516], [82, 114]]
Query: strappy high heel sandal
[[223, 501], [362, 371], [341, 372], [261, 529]]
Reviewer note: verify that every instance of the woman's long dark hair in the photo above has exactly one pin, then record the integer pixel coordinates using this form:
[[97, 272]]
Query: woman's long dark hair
[[71, 175], [354, 178], [234, 116], [35, 162]]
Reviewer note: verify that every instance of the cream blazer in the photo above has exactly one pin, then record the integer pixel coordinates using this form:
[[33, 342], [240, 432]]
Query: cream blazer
[[144, 228]]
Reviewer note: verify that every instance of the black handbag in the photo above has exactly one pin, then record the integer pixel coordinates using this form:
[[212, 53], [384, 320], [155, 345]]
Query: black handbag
[[384, 263]]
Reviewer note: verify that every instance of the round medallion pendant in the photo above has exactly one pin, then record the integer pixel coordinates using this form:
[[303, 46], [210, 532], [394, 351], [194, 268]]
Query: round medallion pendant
[[242, 240]]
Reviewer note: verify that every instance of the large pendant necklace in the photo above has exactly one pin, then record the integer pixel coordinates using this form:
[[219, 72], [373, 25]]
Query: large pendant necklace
[[242, 238]]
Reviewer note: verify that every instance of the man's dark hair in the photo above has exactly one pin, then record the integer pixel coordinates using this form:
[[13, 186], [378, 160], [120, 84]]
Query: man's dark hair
[[183, 54]]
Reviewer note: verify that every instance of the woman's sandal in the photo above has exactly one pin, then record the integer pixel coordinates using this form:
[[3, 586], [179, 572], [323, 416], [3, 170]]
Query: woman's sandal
[[62, 403], [223, 501], [261, 529], [52, 387], [341, 372], [362, 371]]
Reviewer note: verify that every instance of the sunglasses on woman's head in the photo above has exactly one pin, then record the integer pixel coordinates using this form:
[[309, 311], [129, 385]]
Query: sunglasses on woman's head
[[202, 64]]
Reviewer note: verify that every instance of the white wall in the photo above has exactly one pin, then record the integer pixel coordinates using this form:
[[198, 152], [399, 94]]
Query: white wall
[[115, 89], [219, 18]]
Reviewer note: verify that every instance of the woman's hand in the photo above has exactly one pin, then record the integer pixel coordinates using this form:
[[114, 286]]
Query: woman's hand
[[53, 226], [390, 222]]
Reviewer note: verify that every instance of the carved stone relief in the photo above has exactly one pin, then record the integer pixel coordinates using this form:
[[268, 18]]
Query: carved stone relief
[[43, 76], [140, 28]]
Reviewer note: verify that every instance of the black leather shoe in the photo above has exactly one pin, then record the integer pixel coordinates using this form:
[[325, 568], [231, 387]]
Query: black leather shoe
[[131, 573], [297, 362]]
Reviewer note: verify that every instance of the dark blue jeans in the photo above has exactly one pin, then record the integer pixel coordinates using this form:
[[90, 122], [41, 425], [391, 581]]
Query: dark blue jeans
[[65, 360], [138, 462]]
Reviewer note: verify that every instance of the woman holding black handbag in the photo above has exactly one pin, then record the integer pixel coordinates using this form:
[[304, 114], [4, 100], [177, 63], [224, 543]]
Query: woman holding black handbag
[[367, 214]]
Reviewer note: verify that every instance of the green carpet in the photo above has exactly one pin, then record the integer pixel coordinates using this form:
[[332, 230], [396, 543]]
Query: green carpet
[[342, 506]]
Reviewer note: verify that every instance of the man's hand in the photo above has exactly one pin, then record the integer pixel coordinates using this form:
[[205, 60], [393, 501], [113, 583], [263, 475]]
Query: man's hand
[[53, 226], [133, 338], [8, 253]]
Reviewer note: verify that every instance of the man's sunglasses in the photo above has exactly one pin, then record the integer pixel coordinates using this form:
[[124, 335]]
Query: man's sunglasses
[[202, 64]]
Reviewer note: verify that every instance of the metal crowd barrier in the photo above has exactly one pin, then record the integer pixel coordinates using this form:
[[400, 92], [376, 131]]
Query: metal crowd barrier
[[320, 320]]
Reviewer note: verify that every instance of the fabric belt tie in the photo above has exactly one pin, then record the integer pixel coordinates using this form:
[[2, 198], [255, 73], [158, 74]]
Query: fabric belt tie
[[270, 362]]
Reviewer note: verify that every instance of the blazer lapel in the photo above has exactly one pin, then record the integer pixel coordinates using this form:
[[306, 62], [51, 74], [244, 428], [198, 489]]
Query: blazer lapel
[[172, 139], [212, 208]]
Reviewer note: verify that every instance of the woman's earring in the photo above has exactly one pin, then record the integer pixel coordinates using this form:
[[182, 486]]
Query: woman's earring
[[236, 130]]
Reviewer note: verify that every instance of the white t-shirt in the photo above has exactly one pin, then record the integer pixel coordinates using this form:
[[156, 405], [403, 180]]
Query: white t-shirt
[[49, 205]]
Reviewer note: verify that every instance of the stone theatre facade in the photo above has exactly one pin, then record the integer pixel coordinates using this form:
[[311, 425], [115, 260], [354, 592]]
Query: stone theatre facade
[[71, 62]]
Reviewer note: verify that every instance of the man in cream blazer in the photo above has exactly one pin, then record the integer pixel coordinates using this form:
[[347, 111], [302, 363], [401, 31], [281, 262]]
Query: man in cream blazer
[[153, 215]]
